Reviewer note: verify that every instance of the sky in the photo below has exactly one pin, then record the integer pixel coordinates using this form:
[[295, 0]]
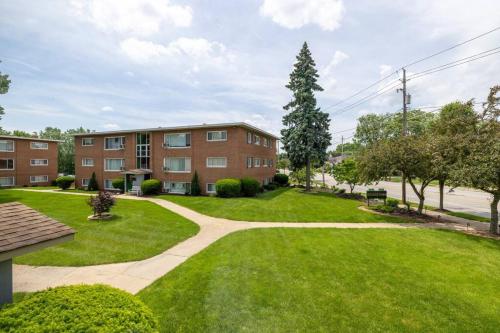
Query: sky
[[110, 65]]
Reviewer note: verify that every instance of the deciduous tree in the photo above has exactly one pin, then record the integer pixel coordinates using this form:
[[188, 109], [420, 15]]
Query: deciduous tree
[[347, 172]]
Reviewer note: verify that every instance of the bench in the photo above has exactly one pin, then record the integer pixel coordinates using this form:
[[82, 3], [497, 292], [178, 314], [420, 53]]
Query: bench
[[376, 194], [136, 189]]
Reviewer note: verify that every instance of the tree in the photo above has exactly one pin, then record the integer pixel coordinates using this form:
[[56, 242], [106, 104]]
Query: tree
[[195, 185], [4, 88], [306, 135], [480, 167], [347, 172], [299, 176], [101, 203], [283, 164], [93, 186]]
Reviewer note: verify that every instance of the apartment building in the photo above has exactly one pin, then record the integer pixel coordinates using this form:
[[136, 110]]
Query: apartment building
[[173, 154], [27, 161]]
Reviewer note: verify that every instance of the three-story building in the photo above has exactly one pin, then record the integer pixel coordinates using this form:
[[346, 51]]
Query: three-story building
[[173, 154]]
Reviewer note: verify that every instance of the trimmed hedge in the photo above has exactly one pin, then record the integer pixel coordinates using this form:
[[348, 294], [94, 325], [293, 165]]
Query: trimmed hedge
[[151, 186], [80, 308], [249, 187], [64, 182], [228, 187], [119, 184], [281, 179]]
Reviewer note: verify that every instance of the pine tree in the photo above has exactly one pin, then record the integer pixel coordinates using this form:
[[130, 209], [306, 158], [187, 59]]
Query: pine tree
[[306, 135], [93, 186], [195, 185]]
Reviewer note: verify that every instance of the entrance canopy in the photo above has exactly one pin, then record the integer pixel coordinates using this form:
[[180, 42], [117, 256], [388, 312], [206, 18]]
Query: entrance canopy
[[137, 172]]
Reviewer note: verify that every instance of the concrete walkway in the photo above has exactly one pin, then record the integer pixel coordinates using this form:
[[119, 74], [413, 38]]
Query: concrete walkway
[[136, 275]]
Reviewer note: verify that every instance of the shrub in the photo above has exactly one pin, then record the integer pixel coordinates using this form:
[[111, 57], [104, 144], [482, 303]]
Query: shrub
[[392, 202], [101, 203], [228, 187], [80, 308], [64, 182], [271, 186], [249, 187], [151, 186], [119, 184], [385, 208], [93, 186], [195, 185], [352, 196], [281, 179], [53, 182]]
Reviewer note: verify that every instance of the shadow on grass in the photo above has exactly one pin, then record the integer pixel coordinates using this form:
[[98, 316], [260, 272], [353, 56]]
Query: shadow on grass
[[492, 243]]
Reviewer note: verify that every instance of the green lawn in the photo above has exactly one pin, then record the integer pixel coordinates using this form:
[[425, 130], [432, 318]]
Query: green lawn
[[332, 280], [139, 230], [282, 205], [469, 216]]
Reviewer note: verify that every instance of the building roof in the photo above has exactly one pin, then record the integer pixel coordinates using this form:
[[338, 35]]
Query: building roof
[[27, 138], [181, 128], [24, 230]]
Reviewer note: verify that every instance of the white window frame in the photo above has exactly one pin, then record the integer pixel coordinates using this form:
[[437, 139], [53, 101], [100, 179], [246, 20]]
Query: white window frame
[[257, 139], [39, 142], [83, 183], [249, 162], [122, 145], [13, 181], [39, 159], [165, 141], [13, 146], [111, 182], [210, 192], [170, 191], [113, 170], [173, 171], [264, 163], [216, 167], [256, 162], [265, 143], [249, 137], [13, 164], [87, 165], [223, 131], [46, 180], [85, 145]]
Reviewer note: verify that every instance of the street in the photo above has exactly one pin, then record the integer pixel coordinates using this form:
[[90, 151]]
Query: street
[[461, 200]]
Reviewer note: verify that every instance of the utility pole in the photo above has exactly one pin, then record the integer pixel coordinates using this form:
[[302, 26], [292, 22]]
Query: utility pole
[[404, 133]]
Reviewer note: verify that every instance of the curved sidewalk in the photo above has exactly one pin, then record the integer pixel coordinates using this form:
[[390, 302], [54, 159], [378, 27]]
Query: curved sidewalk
[[136, 275]]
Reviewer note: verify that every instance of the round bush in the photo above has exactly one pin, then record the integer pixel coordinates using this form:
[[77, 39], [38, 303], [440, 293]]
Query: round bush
[[82, 308], [249, 187], [228, 187], [119, 184], [151, 186], [281, 179], [392, 202], [64, 182]]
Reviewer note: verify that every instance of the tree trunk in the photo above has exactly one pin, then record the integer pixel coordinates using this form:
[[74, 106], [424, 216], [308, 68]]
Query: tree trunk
[[352, 187], [494, 214], [441, 194], [323, 174], [308, 175], [420, 204]]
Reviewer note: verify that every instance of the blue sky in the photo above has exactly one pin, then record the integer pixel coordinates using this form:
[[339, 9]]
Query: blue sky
[[108, 65]]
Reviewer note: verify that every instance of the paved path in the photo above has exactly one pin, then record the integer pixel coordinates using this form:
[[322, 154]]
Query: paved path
[[136, 275]]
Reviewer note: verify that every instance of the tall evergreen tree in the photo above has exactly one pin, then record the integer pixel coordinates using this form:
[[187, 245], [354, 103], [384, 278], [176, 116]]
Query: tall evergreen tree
[[306, 135]]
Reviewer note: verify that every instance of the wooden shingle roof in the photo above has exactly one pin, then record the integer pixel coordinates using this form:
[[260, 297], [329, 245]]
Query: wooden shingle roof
[[23, 227]]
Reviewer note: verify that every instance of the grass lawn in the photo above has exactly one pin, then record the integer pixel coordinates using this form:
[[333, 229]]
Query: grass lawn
[[469, 216], [139, 230], [327, 280], [282, 205]]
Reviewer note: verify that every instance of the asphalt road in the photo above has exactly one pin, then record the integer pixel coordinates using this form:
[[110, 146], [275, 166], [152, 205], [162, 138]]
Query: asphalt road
[[461, 200]]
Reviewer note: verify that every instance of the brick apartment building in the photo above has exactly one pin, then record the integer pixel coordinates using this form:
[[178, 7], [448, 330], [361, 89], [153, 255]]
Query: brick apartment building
[[173, 154], [27, 161]]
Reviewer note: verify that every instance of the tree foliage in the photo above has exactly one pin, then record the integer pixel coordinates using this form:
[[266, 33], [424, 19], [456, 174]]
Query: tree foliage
[[4, 88], [101, 203], [347, 172], [195, 185], [306, 134]]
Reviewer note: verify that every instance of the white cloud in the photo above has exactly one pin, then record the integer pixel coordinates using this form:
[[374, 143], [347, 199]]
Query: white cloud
[[137, 17], [111, 126], [384, 70], [294, 14], [191, 49], [107, 108], [130, 74], [338, 57]]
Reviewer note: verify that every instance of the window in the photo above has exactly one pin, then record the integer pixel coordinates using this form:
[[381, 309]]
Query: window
[[217, 136], [257, 139], [249, 162], [256, 162], [108, 184], [216, 162], [266, 142], [114, 143], [177, 164], [270, 163], [85, 182], [270, 143], [88, 162], [177, 187], [6, 164], [142, 151], [39, 162], [39, 179], [264, 163], [6, 145], [211, 188], [39, 145], [177, 140], [7, 181], [87, 141], [249, 137], [114, 164], [266, 181]]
